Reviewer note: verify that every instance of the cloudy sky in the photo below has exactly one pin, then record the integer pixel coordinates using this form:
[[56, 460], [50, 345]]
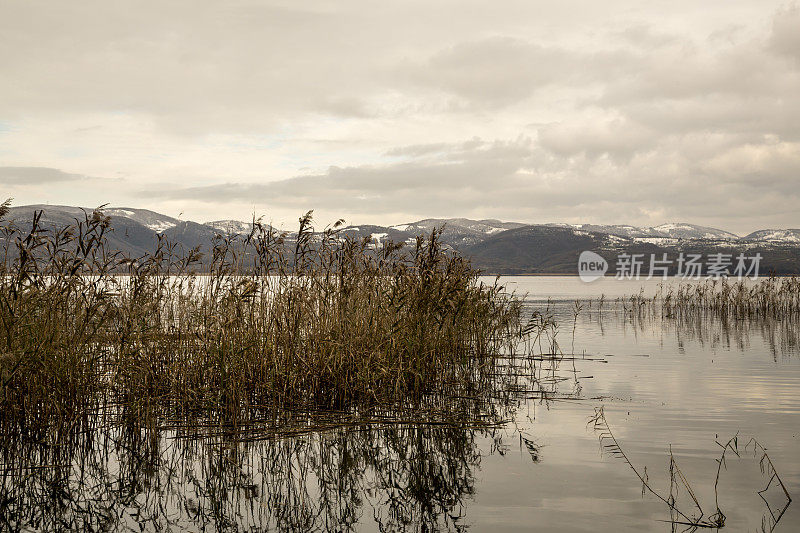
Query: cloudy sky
[[620, 111]]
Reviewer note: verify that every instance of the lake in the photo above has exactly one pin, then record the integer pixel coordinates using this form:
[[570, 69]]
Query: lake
[[665, 386]]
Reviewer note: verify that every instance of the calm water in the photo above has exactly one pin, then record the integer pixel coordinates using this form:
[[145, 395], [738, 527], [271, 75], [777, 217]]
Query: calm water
[[662, 383]]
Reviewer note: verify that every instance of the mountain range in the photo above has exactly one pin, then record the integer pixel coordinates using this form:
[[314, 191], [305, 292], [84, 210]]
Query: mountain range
[[494, 246]]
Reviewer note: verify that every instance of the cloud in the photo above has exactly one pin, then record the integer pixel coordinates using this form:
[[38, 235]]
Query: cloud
[[617, 112], [619, 137], [520, 179], [195, 67], [495, 71], [645, 36], [775, 166], [473, 164], [785, 37], [36, 176], [416, 150]]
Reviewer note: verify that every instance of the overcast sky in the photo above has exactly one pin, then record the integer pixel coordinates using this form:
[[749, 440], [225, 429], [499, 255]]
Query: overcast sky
[[385, 112]]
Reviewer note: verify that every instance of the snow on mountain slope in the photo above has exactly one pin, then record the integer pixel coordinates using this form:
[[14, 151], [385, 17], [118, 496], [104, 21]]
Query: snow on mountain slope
[[693, 231], [663, 231], [231, 227], [614, 229], [458, 232], [789, 236], [150, 219], [461, 225]]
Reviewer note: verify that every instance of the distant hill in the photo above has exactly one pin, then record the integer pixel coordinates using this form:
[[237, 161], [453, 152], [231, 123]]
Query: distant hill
[[775, 235], [149, 219], [494, 246], [458, 231], [231, 227], [548, 249], [663, 231], [128, 235], [535, 249]]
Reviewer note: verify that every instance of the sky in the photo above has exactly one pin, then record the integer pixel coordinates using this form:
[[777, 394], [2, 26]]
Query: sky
[[615, 112]]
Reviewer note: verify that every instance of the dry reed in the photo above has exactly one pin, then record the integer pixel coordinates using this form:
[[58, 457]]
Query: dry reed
[[267, 321]]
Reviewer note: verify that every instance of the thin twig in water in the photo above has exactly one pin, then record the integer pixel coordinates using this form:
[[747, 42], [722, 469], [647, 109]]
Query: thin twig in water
[[610, 444]]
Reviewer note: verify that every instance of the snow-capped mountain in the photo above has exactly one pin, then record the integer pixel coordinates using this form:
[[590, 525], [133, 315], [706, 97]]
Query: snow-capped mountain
[[693, 231], [377, 234], [461, 225], [231, 227], [458, 231], [609, 229], [775, 235], [671, 231], [496, 247], [466, 232], [149, 219]]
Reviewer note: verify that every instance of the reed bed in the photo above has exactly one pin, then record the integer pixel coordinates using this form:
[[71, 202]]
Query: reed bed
[[401, 477], [742, 299], [264, 322]]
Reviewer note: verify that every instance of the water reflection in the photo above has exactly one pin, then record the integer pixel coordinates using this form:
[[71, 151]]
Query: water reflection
[[706, 328], [518, 456], [400, 469], [400, 476]]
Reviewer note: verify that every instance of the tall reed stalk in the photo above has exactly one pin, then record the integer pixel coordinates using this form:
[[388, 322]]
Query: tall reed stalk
[[764, 298], [265, 321]]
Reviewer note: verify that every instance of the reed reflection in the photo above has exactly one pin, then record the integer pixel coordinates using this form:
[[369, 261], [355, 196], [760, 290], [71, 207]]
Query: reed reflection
[[402, 476]]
